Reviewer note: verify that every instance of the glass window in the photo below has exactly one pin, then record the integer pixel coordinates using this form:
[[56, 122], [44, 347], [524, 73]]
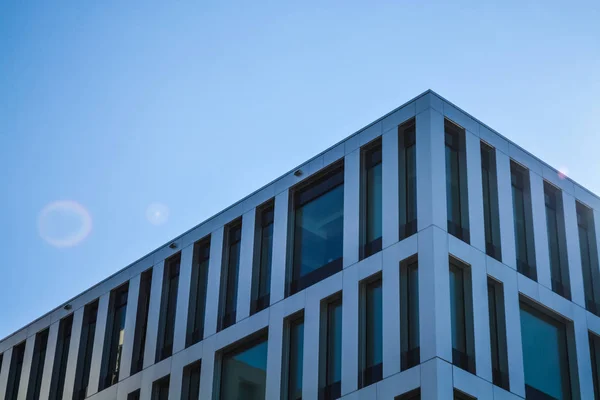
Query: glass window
[[371, 199], [318, 230], [407, 163], [134, 395], [523, 221], [372, 370], [197, 301], [191, 382], [295, 359], [261, 287], [244, 372], [409, 315], [463, 349], [61, 355], [457, 205], [160, 389], [37, 365], [497, 334], [14, 372], [141, 322], [115, 333], [412, 395], [86, 347], [589, 257], [229, 280], [458, 395], [490, 202], [168, 307], [545, 355], [331, 340], [556, 241]]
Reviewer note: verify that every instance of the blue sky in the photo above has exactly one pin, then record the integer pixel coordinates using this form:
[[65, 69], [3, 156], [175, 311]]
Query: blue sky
[[116, 106]]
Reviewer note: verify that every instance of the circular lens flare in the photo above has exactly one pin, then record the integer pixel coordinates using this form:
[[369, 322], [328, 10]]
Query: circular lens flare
[[157, 213], [562, 172], [64, 223]]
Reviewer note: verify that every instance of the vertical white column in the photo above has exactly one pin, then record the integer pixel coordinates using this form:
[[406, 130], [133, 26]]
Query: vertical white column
[[246, 262], [280, 235], [505, 210], [49, 360], [73, 354], [483, 360], [133, 295], [434, 295], [6, 359], [208, 367], [390, 190], [183, 298], [214, 282], [538, 207], [175, 378], [153, 314], [275, 352], [431, 170], [26, 368], [391, 310], [475, 191], [573, 253], [351, 207], [584, 366], [98, 349], [436, 380], [350, 312], [514, 345], [310, 367]]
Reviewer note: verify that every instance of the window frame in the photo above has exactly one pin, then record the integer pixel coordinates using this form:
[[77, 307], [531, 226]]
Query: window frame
[[328, 389], [371, 156], [229, 282], [520, 183], [291, 322], [410, 355], [198, 291], [368, 374], [265, 222], [454, 140], [557, 242], [491, 217], [141, 322], [464, 360], [111, 357], [407, 173], [168, 307], [497, 319]]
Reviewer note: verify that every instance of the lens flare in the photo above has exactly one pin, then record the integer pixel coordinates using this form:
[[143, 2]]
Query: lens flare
[[157, 213], [64, 223], [562, 172]]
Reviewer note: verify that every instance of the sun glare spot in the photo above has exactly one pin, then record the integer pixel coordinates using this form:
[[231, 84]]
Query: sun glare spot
[[157, 213], [64, 223], [563, 172]]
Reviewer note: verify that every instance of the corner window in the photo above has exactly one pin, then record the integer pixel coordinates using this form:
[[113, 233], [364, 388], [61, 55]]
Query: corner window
[[295, 356], [86, 347], [168, 307], [523, 221], [491, 217], [261, 279], [371, 332], [331, 350], [14, 372], [113, 341], [37, 365], [557, 244], [545, 355], [190, 388], [407, 163], [498, 334], [197, 301], [244, 371], [160, 388], [409, 314], [589, 257], [141, 322], [457, 205], [61, 355], [371, 200], [461, 315], [230, 273], [318, 229]]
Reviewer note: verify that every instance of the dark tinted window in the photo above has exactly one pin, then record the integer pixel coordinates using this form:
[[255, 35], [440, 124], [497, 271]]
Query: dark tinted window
[[457, 206], [295, 359], [37, 365], [244, 372], [191, 382], [372, 370], [498, 334], [141, 322], [491, 217], [115, 333], [371, 201], [229, 280], [409, 314], [160, 389], [331, 345], [261, 287], [14, 373], [589, 257], [461, 315], [61, 357], [555, 226], [86, 347], [168, 307], [523, 222], [197, 302], [407, 163]]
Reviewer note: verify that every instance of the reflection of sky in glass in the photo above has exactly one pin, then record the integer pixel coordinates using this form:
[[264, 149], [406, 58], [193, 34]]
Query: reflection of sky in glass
[[255, 356]]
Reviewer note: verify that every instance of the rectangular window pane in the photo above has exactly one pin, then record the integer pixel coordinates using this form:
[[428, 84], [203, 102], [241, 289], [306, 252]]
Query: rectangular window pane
[[160, 389], [191, 382], [589, 257], [412, 395], [461, 314], [490, 202], [544, 342], [318, 230], [141, 322], [595, 359], [229, 280], [371, 201], [244, 372], [497, 334], [331, 345], [372, 369], [295, 359], [409, 315], [14, 373], [115, 333], [61, 355], [134, 395], [523, 222], [168, 307], [86, 347], [261, 287], [37, 365], [198, 285], [407, 164], [556, 241], [456, 182]]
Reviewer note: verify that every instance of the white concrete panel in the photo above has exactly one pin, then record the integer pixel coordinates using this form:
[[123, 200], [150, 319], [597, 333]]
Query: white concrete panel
[[214, 282], [280, 234], [475, 191], [367, 393], [152, 374], [333, 155], [73, 353], [130, 384], [351, 208], [493, 139], [275, 372], [245, 270], [130, 318], [472, 385], [390, 189], [528, 287], [350, 343], [399, 384], [525, 159], [513, 333], [208, 368], [391, 311], [242, 329], [398, 117], [505, 210], [538, 207], [557, 179], [584, 366], [437, 374], [183, 296], [310, 367], [153, 314], [481, 315], [573, 253], [49, 360], [557, 303], [369, 134], [461, 118], [429, 100], [586, 197], [98, 349], [26, 368]]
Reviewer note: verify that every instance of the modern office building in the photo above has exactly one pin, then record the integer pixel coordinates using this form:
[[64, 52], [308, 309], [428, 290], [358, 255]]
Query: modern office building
[[423, 257]]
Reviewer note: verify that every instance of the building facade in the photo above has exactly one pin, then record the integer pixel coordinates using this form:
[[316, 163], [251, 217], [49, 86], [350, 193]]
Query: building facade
[[423, 257]]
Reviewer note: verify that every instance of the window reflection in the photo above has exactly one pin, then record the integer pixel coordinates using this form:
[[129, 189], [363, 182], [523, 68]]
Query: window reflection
[[330, 381], [373, 336], [244, 372], [372, 201], [409, 315], [296, 356], [456, 183]]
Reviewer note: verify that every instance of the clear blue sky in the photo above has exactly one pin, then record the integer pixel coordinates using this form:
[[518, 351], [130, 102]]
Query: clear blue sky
[[117, 106]]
